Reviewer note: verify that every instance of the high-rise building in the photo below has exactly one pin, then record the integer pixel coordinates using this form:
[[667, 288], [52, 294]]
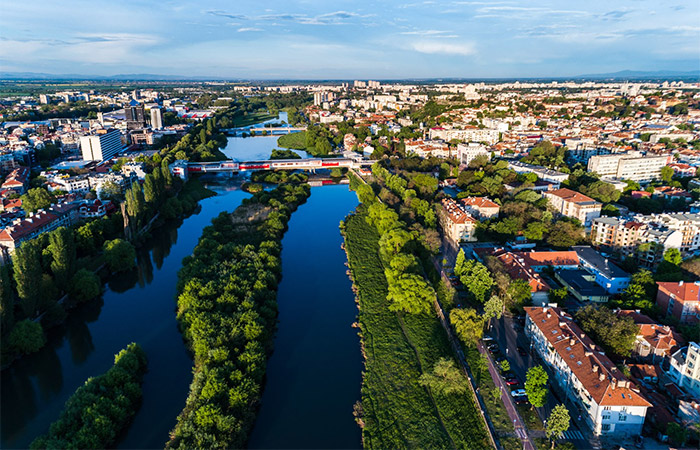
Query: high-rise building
[[44, 99], [101, 147], [156, 118], [135, 116]]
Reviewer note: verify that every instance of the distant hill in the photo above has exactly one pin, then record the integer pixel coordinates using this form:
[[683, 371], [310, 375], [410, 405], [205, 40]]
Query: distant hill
[[641, 74], [126, 77]]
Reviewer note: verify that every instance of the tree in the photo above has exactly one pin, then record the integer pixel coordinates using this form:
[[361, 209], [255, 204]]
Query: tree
[[557, 423], [564, 235], [445, 378], [84, 286], [36, 199], [120, 255], [493, 308], [505, 365], [476, 278], [468, 325], [63, 253], [27, 272], [557, 295], [27, 337], [150, 189], [666, 174], [536, 386], [459, 263], [110, 190], [7, 299], [677, 435], [616, 334], [519, 293]]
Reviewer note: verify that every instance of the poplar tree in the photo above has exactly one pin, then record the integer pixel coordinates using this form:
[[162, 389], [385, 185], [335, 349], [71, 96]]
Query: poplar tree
[[27, 271], [150, 189], [63, 253], [7, 299]]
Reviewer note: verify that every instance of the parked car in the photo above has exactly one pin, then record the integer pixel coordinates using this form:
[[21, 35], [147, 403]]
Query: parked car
[[522, 400], [512, 382], [500, 359], [518, 393], [487, 340], [522, 351]]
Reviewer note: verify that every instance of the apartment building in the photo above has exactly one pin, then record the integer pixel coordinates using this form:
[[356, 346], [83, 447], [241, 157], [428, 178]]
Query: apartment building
[[553, 176], [468, 134], [685, 369], [574, 204], [480, 207], [625, 166], [611, 405], [607, 275], [655, 342], [457, 223], [428, 148], [680, 300], [101, 147], [467, 152]]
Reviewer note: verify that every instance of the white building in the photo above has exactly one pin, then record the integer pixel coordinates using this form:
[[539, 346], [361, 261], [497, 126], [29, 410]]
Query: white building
[[610, 404], [467, 152], [101, 147], [685, 369], [156, 118], [574, 204], [624, 166]]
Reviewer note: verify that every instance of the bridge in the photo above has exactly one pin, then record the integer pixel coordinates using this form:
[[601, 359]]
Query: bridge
[[259, 130], [183, 169]]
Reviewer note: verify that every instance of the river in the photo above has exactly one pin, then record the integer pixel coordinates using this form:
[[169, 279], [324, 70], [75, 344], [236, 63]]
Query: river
[[313, 376]]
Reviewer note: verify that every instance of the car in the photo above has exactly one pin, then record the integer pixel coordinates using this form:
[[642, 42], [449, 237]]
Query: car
[[512, 382], [522, 351], [518, 393], [521, 400], [500, 359], [487, 340]]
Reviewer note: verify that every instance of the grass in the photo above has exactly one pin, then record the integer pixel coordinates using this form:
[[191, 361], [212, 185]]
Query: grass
[[195, 190], [296, 140], [252, 119], [492, 400], [530, 417], [397, 412]]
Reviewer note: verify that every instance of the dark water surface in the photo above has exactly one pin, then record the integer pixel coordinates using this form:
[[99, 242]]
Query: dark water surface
[[314, 374]]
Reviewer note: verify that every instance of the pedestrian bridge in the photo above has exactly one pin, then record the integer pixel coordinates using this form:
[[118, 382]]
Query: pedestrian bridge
[[184, 169]]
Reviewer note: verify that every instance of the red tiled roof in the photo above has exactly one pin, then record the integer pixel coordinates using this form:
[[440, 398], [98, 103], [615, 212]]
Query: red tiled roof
[[598, 375], [570, 196], [479, 202], [565, 258], [687, 292]]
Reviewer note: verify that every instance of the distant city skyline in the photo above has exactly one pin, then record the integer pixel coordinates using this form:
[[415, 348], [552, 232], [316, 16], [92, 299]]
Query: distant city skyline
[[349, 39]]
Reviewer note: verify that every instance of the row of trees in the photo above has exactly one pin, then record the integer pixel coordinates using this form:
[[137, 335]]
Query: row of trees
[[227, 309], [98, 411], [400, 187]]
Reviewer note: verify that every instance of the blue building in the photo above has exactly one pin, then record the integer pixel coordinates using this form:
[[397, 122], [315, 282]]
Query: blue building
[[609, 276]]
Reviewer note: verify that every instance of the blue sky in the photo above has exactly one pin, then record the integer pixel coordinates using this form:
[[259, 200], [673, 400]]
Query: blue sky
[[348, 39]]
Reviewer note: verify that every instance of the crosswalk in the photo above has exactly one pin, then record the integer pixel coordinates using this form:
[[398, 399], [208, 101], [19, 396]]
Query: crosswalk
[[521, 433], [573, 435]]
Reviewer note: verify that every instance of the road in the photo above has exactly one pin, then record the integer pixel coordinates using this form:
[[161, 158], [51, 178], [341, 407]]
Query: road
[[509, 334]]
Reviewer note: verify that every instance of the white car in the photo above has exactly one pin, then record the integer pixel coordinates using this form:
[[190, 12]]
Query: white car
[[518, 393]]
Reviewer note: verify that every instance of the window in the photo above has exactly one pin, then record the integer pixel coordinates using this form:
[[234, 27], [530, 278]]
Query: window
[[622, 418], [606, 408], [606, 416], [606, 427]]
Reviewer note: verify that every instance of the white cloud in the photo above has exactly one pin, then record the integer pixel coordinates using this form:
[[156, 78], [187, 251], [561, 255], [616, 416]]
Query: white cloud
[[445, 48], [241, 30]]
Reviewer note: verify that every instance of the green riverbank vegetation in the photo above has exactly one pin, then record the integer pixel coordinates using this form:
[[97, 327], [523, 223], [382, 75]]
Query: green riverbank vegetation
[[101, 409], [226, 309], [404, 403]]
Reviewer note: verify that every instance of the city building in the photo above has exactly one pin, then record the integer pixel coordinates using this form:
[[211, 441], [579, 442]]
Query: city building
[[427, 148], [655, 342], [610, 404], [467, 152], [680, 300], [481, 208], [156, 118], [101, 147], [17, 180], [574, 204], [135, 116], [582, 285], [624, 166], [685, 369], [457, 224], [552, 176], [609, 276]]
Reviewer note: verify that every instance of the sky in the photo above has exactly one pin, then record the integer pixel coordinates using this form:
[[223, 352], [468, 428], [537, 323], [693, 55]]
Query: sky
[[328, 39]]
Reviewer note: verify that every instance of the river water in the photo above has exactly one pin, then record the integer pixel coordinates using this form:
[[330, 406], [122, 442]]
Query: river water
[[313, 376]]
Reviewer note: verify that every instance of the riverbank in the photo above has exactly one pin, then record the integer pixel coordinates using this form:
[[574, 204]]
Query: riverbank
[[396, 411], [227, 310]]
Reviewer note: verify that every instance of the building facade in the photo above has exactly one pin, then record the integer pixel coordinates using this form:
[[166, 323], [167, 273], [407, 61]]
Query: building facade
[[610, 404], [574, 204], [101, 147]]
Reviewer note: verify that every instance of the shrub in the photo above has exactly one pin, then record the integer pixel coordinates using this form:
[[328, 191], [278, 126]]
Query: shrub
[[84, 286], [27, 337], [120, 255]]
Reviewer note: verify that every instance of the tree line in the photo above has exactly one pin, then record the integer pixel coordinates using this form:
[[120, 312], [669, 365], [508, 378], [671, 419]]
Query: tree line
[[101, 409], [226, 310]]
